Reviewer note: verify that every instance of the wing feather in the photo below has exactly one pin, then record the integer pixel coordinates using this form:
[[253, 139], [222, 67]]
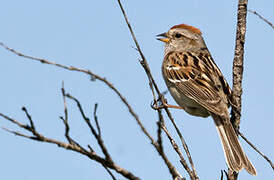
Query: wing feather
[[196, 78]]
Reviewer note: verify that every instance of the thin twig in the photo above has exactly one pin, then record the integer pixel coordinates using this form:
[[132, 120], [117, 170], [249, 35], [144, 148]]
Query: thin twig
[[90, 148], [183, 143], [253, 146], [29, 117], [95, 134], [173, 171], [96, 119], [17, 133], [37, 136], [65, 120], [109, 172], [159, 131], [24, 126], [153, 93], [65, 103], [177, 150], [222, 175], [143, 61], [262, 18]]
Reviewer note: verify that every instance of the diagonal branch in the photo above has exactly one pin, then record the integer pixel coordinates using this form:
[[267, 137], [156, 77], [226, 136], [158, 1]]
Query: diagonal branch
[[262, 18], [184, 145], [143, 59], [109, 172], [93, 76], [145, 65], [256, 149], [177, 150]]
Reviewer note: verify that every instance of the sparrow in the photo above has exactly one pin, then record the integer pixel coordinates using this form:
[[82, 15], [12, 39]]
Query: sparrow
[[198, 86]]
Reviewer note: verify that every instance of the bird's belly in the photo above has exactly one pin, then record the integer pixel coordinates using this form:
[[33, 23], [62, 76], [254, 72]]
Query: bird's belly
[[190, 106]]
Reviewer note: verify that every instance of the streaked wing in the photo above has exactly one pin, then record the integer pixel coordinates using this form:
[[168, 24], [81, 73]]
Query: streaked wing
[[197, 77]]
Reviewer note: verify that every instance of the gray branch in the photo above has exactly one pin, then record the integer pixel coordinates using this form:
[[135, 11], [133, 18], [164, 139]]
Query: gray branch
[[238, 63]]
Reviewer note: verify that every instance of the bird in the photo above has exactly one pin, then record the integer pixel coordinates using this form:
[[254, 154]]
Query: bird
[[197, 85]]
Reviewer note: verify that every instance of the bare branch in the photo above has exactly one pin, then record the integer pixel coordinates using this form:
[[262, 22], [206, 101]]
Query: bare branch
[[65, 103], [29, 117], [151, 79], [159, 132], [17, 133], [90, 148], [98, 138], [143, 61], [65, 120], [238, 71], [104, 149], [160, 149], [109, 172], [177, 150], [222, 174], [238, 63], [37, 136], [253, 146], [88, 72], [73, 146], [172, 169], [262, 18], [96, 120], [93, 76], [183, 143], [24, 126]]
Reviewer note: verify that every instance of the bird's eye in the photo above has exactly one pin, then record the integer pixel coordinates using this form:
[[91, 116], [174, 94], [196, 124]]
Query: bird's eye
[[178, 35]]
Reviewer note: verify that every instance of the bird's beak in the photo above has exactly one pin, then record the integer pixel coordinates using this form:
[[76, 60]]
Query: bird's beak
[[163, 37]]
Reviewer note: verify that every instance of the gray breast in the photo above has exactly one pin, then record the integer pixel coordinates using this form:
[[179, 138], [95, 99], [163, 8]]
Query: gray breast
[[190, 106]]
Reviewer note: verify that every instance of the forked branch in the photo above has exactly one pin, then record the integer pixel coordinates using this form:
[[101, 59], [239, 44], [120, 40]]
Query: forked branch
[[107, 162], [172, 169]]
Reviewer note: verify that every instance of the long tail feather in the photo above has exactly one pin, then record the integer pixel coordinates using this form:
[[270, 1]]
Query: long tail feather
[[235, 157]]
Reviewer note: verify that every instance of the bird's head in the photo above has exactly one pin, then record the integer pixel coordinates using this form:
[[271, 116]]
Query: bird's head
[[182, 37]]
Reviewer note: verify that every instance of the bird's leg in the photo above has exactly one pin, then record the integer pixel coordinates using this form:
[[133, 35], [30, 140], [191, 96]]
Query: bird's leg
[[163, 104], [173, 106]]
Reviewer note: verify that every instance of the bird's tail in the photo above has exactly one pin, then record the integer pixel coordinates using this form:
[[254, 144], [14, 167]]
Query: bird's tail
[[235, 157]]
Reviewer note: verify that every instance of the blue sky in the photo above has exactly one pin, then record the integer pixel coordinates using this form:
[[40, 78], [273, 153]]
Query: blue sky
[[93, 35]]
